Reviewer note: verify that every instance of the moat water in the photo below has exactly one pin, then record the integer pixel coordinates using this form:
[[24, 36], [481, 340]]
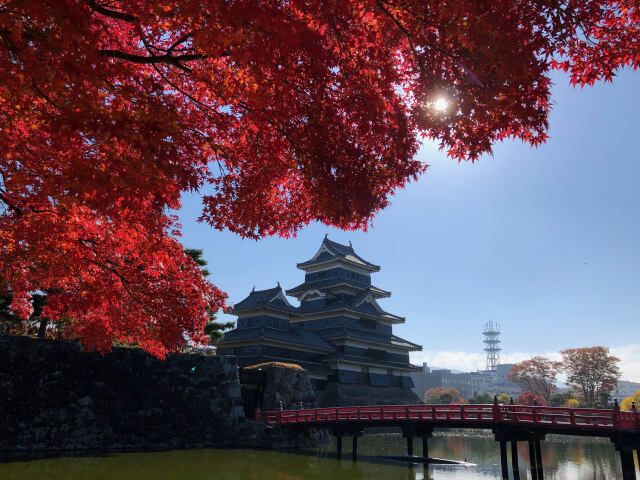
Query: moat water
[[563, 457]]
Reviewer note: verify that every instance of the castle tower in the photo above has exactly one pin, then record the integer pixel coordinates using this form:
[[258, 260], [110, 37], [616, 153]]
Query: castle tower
[[339, 333]]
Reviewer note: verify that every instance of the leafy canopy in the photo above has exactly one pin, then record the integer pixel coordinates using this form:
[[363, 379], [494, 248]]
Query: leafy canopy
[[629, 402], [441, 395], [592, 372], [530, 398], [279, 113], [537, 375]]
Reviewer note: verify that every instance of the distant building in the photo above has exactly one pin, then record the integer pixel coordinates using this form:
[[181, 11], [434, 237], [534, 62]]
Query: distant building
[[339, 333], [431, 378], [624, 389], [468, 384], [500, 384]]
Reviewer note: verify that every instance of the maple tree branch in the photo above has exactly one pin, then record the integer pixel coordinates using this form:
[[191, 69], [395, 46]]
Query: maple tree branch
[[16, 209], [187, 94], [4, 34], [43, 95], [409, 38], [93, 5], [154, 59], [180, 41], [125, 285]]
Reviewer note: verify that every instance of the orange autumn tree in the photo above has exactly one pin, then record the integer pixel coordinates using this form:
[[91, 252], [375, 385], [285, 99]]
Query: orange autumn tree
[[278, 113], [592, 372], [536, 375], [441, 395]]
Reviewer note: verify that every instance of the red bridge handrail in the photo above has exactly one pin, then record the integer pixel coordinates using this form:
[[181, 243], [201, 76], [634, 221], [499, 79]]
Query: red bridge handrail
[[580, 418]]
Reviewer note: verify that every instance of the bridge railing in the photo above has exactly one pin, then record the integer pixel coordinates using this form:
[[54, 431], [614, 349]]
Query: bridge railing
[[583, 418]]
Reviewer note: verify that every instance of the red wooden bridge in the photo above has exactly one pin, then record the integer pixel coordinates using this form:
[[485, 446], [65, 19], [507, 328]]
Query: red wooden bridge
[[508, 422]]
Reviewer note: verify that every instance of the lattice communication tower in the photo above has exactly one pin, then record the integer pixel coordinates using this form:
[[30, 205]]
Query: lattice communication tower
[[492, 345]]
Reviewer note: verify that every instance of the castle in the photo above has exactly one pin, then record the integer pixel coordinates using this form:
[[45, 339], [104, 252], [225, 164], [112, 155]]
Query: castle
[[339, 333]]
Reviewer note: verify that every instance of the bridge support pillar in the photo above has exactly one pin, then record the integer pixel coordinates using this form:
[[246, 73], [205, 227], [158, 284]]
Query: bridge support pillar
[[514, 460], [532, 460], [626, 443], [354, 451], [512, 434], [539, 459], [628, 466], [347, 432], [413, 431], [425, 447], [503, 460]]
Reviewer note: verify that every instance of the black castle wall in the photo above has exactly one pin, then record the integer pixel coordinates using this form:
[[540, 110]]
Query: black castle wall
[[55, 397]]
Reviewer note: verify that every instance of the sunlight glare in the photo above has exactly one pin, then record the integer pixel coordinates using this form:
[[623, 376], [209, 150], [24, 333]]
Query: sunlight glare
[[441, 104]]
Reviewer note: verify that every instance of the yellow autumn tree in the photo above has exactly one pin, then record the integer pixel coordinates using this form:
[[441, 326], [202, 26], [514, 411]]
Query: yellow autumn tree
[[626, 403]]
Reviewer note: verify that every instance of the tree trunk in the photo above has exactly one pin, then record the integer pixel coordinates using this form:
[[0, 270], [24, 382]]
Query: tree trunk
[[42, 331]]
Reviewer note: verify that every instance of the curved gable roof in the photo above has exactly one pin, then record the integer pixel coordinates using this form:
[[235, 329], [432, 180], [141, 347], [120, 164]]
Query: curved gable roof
[[272, 297], [331, 251]]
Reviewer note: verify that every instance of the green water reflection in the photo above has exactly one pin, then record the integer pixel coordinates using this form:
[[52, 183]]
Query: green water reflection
[[564, 458]]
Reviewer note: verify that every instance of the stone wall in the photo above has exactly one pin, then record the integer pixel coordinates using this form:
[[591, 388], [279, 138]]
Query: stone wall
[[54, 397], [272, 385], [291, 387], [343, 395]]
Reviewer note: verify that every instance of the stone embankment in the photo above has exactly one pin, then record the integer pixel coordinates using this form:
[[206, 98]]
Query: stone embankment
[[55, 396], [341, 395], [57, 399]]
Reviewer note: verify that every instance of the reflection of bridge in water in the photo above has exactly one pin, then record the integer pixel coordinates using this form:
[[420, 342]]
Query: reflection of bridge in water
[[509, 423]]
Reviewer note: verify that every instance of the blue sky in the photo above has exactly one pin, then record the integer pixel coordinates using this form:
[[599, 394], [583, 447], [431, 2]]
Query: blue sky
[[544, 241]]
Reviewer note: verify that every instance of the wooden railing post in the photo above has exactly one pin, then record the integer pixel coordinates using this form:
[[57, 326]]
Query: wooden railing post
[[616, 414], [257, 414], [572, 416], [497, 414], [637, 415]]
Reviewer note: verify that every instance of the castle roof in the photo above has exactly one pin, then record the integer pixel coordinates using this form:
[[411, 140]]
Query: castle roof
[[340, 357], [331, 251], [336, 282], [293, 335], [372, 337], [272, 298], [363, 304]]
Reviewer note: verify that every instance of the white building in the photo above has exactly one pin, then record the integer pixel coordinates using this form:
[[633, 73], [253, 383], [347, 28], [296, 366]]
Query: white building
[[468, 384], [624, 389]]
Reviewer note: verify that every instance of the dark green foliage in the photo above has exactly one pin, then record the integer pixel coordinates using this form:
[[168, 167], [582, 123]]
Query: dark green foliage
[[196, 255], [559, 399], [213, 329], [481, 399]]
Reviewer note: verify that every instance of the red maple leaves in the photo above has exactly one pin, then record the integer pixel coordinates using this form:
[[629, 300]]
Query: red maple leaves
[[281, 113]]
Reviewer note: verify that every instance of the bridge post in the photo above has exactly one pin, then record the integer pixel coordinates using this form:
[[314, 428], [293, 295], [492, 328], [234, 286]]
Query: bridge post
[[354, 451], [539, 459], [532, 460], [628, 466], [410, 446], [503, 460], [425, 447], [626, 443], [339, 445], [497, 414], [514, 460]]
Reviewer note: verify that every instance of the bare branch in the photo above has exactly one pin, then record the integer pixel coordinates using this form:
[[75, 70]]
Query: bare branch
[[93, 5], [154, 59]]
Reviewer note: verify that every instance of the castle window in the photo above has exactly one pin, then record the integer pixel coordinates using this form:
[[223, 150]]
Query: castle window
[[367, 323]]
